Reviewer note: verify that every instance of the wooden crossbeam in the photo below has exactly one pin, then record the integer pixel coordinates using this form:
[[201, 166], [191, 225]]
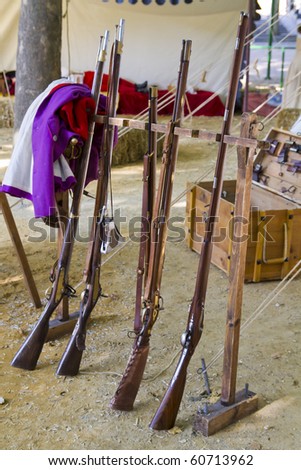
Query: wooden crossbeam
[[182, 132], [64, 321]]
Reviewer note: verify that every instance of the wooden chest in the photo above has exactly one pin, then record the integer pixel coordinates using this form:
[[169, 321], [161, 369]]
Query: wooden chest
[[274, 242]]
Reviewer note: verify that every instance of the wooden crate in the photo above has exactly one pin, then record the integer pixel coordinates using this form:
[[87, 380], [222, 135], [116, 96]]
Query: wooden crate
[[274, 242]]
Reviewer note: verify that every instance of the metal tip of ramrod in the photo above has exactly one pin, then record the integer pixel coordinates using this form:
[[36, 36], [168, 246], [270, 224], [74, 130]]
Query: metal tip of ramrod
[[105, 40], [120, 30], [187, 49]]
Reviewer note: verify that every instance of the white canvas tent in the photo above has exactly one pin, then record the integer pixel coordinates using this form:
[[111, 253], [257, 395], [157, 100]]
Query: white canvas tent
[[153, 37]]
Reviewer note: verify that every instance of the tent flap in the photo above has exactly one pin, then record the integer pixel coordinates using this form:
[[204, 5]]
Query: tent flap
[[153, 36]]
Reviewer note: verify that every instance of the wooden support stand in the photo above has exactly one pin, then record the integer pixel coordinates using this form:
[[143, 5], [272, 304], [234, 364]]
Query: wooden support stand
[[219, 416], [60, 327], [233, 406], [15, 238]]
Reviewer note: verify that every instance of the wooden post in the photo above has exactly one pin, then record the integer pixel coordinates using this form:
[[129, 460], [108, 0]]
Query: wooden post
[[15, 238], [235, 405], [245, 103], [238, 261]]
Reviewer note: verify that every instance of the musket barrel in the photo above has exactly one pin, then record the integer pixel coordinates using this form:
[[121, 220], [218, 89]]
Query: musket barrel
[[129, 385], [28, 354], [120, 33], [71, 359]]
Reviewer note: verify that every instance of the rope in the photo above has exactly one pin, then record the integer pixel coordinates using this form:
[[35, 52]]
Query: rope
[[128, 241], [260, 309], [8, 93], [169, 99], [151, 379], [264, 304], [222, 88], [66, 15], [186, 190], [6, 83]]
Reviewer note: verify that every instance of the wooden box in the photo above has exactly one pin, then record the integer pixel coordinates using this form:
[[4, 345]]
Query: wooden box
[[274, 242]]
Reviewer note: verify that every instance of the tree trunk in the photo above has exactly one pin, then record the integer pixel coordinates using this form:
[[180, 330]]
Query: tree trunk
[[39, 51]]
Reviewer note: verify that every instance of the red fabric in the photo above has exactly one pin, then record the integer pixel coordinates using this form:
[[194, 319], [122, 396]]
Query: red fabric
[[124, 85], [75, 114], [214, 107], [88, 78], [60, 85], [255, 99], [135, 102]]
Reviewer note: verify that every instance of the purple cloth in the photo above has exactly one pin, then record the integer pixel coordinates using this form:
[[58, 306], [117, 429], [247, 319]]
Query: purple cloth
[[50, 138]]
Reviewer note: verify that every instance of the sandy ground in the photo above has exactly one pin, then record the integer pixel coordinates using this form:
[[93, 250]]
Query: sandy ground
[[43, 411]]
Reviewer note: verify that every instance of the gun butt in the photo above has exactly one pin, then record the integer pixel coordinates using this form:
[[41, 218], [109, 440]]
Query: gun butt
[[127, 390], [70, 362], [29, 353], [166, 414]]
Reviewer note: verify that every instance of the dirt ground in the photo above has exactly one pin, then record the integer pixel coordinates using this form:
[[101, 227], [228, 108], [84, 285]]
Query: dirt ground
[[42, 411]]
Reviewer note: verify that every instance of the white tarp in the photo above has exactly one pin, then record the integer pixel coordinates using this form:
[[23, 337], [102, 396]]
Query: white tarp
[[152, 42], [292, 87], [9, 14]]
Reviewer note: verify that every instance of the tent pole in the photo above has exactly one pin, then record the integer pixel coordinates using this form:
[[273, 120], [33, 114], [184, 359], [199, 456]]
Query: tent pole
[[247, 58], [273, 11]]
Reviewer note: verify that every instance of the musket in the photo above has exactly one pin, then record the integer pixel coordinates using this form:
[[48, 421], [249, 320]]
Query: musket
[[147, 207], [29, 353], [70, 362], [152, 301], [166, 414]]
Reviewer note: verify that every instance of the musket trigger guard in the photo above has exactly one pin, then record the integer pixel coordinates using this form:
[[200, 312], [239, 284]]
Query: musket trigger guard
[[184, 338], [145, 309], [260, 126], [48, 292], [161, 303], [84, 295], [102, 213], [52, 275], [131, 334], [70, 291]]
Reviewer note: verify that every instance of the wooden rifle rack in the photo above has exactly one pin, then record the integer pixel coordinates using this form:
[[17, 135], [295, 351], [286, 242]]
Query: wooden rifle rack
[[233, 405], [15, 238]]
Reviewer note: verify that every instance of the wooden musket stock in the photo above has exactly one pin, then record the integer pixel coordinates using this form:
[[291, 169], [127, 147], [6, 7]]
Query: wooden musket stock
[[148, 195], [152, 302], [70, 362], [28, 354], [166, 414]]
